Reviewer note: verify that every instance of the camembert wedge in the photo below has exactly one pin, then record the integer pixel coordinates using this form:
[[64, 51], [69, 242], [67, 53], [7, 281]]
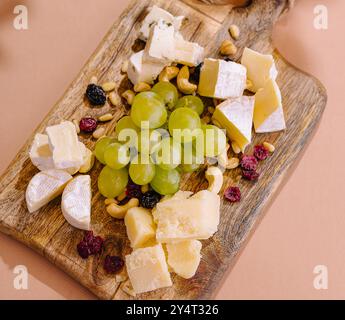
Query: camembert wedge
[[44, 187], [40, 153], [76, 202], [236, 116]]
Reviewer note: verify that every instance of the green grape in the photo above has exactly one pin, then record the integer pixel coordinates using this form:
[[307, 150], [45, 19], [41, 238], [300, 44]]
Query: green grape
[[148, 106], [141, 171], [154, 137], [193, 102], [187, 120], [191, 161], [166, 181], [126, 131], [100, 147], [167, 154], [214, 140], [116, 155], [168, 92], [125, 123], [112, 182]]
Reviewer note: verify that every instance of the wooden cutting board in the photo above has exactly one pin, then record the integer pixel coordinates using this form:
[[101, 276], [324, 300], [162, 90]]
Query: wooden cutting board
[[48, 233]]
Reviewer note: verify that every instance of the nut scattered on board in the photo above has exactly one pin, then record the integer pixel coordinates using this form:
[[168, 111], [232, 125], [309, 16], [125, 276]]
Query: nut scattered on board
[[141, 87], [108, 86], [106, 117], [227, 48], [233, 163], [145, 188], [122, 196], [98, 133], [169, 73], [235, 148], [114, 99], [76, 124], [183, 82], [93, 80], [124, 67], [110, 201], [234, 31], [128, 95], [270, 147], [119, 212], [214, 176]]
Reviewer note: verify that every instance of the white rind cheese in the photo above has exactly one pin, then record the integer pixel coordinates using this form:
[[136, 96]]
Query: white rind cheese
[[67, 151], [260, 68], [184, 257], [44, 187], [76, 202], [147, 269], [152, 18], [139, 71], [188, 53], [194, 218], [222, 79], [40, 153]]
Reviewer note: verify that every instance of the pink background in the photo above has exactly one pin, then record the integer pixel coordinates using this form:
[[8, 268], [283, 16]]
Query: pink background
[[304, 226]]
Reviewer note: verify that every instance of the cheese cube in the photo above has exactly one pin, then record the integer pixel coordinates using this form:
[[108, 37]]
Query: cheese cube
[[188, 53], [66, 148], [236, 116], [44, 187], [184, 257], [147, 269], [222, 79], [260, 68], [152, 19], [194, 218], [268, 110], [40, 153], [139, 71], [140, 227], [160, 46]]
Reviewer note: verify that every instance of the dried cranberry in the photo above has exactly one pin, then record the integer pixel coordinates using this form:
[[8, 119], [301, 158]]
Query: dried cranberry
[[250, 175], [96, 95], [233, 194], [97, 245], [113, 264], [88, 125], [260, 152], [83, 249], [150, 199], [249, 163]]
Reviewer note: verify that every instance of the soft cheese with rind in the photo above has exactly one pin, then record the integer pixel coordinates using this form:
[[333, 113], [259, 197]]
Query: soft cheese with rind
[[260, 68], [222, 79], [184, 257], [147, 269], [40, 153], [67, 151], [236, 116], [188, 53], [155, 14], [76, 202], [196, 217], [44, 187]]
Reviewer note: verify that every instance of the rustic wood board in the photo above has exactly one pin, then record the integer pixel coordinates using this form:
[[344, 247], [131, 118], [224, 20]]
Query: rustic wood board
[[46, 231]]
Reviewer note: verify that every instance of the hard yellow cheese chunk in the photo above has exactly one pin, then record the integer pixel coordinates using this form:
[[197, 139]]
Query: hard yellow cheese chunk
[[260, 68], [236, 116], [147, 269], [184, 257], [140, 227], [268, 110]]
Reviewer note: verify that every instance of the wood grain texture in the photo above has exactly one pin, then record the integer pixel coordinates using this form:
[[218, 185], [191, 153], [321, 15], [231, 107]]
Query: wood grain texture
[[47, 232]]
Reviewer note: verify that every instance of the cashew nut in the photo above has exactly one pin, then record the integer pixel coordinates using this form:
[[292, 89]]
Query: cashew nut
[[226, 163], [119, 212], [141, 87], [89, 160], [227, 48], [129, 96], [168, 74], [214, 176], [109, 86], [183, 81]]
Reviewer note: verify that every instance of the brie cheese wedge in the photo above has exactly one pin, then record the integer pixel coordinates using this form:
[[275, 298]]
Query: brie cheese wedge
[[147, 269], [40, 153], [186, 219], [66, 149], [44, 187], [222, 79], [140, 71], [260, 68], [187, 53], [154, 16], [268, 110], [76, 202], [160, 46], [236, 116]]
